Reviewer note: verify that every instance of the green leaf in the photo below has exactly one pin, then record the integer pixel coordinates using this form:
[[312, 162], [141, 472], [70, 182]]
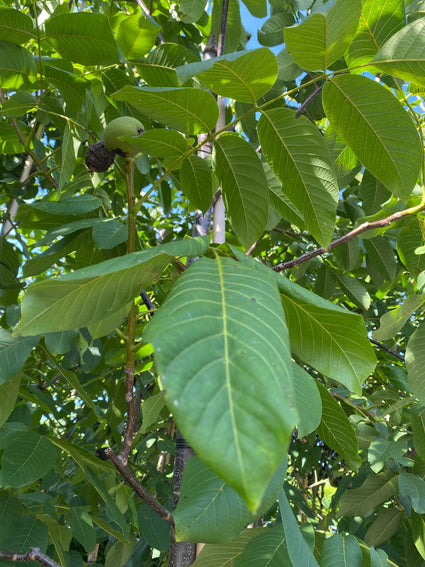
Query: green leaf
[[382, 450], [389, 148], [268, 549], [82, 528], [153, 529], [8, 394], [331, 339], [340, 551], [307, 400], [280, 202], [299, 157], [192, 111], [17, 66], [151, 409], [90, 294], [79, 205], [271, 33], [393, 321], [136, 35], [68, 155], [15, 26], [109, 234], [336, 431], [27, 459], [376, 489], [322, 38], [378, 22], [257, 8], [18, 104], [209, 510], [196, 181], [412, 486], [224, 554], [403, 54], [233, 352], [418, 532], [410, 238], [386, 524], [378, 558], [244, 186], [418, 429], [30, 532], [72, 87], [160, 142], [13, 353], [415, 361], [246, 78], [299, 551], [83, 37], [381, 255], [192, 10], [354, 290], [158, 69]]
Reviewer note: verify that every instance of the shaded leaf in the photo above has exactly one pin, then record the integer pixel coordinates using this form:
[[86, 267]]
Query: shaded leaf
[[209, 510], [376, 489], [415, 361], [244, 186], [300, 159], [223, 554], [8, 394], [82, 528], [268, 549], [385, 525], [271, 32], [393, 321], [307, 400], [336, 431], [196, 181], [340, 551], [13, 353], [90, 294], [153, 528], [413, 487]]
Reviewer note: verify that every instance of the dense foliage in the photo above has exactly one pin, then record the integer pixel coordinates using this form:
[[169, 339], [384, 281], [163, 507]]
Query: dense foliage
[[288, 352]]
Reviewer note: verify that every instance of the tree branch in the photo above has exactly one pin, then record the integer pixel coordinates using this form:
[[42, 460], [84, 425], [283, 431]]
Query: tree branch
[[34, 554], [366, 226], [387, 349], [138, 488]]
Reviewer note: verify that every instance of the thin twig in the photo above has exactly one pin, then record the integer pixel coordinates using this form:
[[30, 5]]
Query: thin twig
[[138, 488], [366, 226], [387, 349], [307, 101], [34, 554]]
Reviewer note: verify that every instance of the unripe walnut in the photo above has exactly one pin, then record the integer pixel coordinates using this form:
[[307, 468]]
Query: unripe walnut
[[122, 126]]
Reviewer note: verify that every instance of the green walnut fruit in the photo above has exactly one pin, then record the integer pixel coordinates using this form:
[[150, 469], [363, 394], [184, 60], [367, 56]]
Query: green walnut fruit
[[122, 126]]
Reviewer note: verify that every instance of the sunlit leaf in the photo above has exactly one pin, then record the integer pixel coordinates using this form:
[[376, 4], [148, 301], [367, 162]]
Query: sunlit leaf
[[15, 26], [232, 340], [370, 120]]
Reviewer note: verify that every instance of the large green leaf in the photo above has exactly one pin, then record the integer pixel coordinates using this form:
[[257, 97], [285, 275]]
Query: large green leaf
[[222, 351], [341, 551], [308, 401], [82, 527], [403, 54], [386, 142], [271, 33], [410, 238], [136, 35], [246, 78], [17, 66], [268, 549], [15, 26], [299, 157], [299, 552], [209, 510], [415, 361], [323, 37], [78, 205], [90, 294], [192, 10], [158, 68], [83, 37], [160, 142], [244, 186], [196, 181], [258, 8], [336, 431], [393, 321], [412, 486], [378, 21], [224, 554], [8, 394], [29, 457], [13, 353], [71, 86], [418, 429], [326, 336], [387, 523], [192, 111], [376, 489]]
